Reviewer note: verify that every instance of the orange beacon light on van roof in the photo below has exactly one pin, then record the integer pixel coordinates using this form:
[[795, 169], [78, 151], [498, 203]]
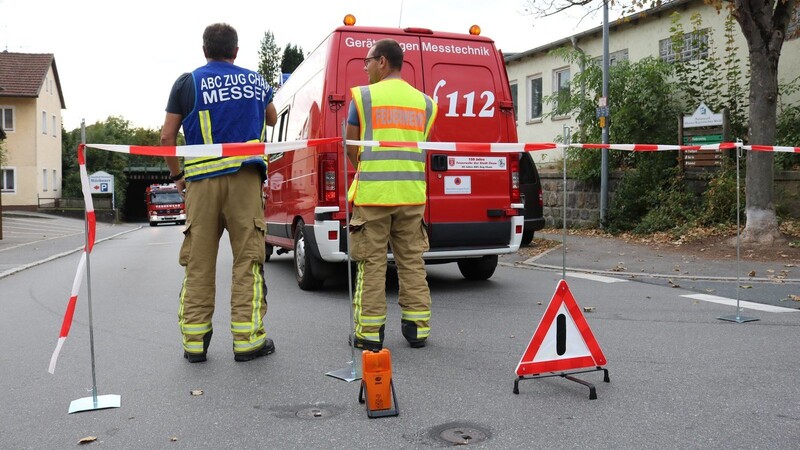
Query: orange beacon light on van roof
[[349, 20], [475, 30]]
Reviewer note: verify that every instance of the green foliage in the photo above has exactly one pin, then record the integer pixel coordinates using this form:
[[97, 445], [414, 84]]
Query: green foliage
[[788, 129], [641, 100], [269, 59], [292, 57], [115, 130], [652, 197], [719, 200], [697, 76]]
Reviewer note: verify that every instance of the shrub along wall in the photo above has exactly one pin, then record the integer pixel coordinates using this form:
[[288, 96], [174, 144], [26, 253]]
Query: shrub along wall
[[583, 199]]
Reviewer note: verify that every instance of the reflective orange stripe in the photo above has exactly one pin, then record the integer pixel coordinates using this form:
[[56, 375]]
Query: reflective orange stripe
[[398, 117]]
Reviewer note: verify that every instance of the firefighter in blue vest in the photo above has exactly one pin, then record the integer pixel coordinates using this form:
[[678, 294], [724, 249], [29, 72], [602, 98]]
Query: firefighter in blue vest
[[389, 196], [221, 103]]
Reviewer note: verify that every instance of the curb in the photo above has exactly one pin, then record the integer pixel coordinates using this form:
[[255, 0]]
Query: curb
[[530, 263]]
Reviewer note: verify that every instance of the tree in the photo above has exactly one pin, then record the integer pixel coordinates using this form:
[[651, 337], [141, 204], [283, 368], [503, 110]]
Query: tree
[[114, 130], [269, 59], [292, 57], [763, 24]]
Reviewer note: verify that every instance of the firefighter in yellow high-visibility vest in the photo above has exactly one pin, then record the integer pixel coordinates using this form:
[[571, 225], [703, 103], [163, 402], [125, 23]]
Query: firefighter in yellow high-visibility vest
[[389, 196]]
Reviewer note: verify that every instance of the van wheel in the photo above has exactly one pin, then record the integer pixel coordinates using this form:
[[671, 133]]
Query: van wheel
[[267, 251], [153, 224], [478, 268], [302, 262], [527, 238]]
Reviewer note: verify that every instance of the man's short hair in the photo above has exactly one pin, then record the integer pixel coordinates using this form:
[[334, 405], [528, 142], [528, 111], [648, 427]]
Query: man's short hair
[[220, 41], [391, 50]]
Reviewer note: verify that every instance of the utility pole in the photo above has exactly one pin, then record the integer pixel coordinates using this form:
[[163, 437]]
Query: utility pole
[[604, 121]]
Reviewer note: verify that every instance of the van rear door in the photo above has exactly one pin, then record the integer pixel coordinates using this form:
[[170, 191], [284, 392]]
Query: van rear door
[[467, 191]]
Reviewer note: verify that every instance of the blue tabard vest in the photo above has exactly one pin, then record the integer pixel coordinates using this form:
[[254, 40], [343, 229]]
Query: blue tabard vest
[[229, 107]]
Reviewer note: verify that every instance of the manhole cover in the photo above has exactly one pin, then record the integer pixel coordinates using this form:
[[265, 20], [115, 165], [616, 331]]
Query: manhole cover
[[314, 413], [462, 435]]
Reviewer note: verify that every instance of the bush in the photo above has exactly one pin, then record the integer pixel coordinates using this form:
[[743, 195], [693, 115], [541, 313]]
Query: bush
[[652, 197]]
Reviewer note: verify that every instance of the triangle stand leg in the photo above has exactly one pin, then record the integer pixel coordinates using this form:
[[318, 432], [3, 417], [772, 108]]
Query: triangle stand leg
[[568, 376]]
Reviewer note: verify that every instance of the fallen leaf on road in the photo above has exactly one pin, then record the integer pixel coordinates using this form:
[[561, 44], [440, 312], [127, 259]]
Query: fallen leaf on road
[[173, 439], [794, 297], [752, 273], [197, 392], [711, 290], [87, 440], [588, 308], [746, 286]]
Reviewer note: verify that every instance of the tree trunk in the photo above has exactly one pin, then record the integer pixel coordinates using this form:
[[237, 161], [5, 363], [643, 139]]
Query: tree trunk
[[763, 24]]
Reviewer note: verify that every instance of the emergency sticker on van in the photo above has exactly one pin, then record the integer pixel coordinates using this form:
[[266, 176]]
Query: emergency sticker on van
[[458, 185], [476, 162]]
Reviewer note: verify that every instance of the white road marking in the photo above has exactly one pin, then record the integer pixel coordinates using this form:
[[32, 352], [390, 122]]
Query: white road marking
[[592, 277], [742, 303]]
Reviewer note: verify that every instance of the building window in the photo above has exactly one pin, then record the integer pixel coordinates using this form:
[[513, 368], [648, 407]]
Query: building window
[[7, 177], [54, 125], [7, 118], [44, 122], [44, 180], [55, 180], [561, 89], [535, 97], [514, 99], [614, 58], [693, 46]]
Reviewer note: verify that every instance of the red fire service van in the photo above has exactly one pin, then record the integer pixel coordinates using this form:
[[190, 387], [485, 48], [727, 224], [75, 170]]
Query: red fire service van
[[474, 211], [164, 204]]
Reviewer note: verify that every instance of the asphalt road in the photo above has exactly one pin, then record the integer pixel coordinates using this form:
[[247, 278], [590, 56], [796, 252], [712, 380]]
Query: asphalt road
[[680, 378]]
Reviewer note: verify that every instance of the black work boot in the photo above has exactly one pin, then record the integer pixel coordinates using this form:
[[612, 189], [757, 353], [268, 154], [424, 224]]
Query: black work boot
[[367, 345], [266, 349], [409, 330], [200, 357]]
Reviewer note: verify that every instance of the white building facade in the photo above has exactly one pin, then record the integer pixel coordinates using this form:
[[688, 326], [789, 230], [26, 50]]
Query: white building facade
[[536, 74]]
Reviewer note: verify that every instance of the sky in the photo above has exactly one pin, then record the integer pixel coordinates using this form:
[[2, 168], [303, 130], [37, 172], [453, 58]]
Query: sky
[[121, 58]]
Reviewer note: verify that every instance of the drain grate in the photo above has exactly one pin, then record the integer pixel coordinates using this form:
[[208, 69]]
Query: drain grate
[[459, 434]]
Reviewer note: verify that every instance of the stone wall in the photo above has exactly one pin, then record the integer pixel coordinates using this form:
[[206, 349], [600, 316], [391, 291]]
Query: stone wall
[[583, 199]]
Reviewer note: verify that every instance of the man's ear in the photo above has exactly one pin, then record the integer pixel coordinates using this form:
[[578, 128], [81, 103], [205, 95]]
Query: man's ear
[[205, 52], [235, 52]]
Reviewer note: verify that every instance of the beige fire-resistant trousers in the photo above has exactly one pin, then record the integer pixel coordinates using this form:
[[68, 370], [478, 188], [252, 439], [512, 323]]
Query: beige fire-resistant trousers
[[229, 202], [372, 230]]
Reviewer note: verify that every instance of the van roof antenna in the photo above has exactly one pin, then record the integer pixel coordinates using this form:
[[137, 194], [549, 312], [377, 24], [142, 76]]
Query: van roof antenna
[[400, 18]]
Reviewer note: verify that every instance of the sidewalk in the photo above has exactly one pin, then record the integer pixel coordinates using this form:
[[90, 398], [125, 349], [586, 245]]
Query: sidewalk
[[615, 257], [31, 238]]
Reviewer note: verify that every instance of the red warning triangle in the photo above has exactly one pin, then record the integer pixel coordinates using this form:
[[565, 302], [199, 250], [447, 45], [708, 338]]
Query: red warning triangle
[[562, 340]]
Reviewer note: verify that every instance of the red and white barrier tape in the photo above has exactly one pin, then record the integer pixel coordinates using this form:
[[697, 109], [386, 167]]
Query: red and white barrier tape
[[91, 225], [191, 151], [771, 148], [529, 147]]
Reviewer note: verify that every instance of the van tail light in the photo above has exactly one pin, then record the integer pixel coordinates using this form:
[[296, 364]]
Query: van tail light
[[327, 167], [514, 159], [541, 197]]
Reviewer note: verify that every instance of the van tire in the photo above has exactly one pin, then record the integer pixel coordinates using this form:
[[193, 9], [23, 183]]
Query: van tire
[[268, 248], [302, 261], [527, 238], [478, 269]]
